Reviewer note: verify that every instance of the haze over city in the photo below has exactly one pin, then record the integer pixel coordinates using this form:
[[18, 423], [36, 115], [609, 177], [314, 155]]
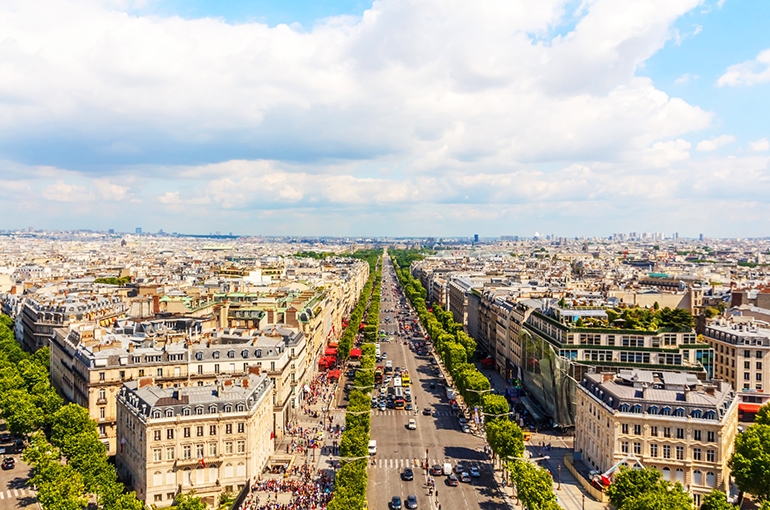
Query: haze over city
[[387, 118]]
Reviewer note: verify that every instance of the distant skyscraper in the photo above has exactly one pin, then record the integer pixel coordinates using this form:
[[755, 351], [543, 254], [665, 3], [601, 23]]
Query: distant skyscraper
[[475, 238], [138, 230], [112, 231], [700, 237]]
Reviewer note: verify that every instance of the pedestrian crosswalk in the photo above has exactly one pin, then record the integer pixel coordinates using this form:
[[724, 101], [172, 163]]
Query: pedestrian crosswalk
[[17, 493], [394, 412], [405, 463]]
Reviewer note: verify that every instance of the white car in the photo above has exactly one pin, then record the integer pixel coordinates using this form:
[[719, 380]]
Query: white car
[[412, 424]]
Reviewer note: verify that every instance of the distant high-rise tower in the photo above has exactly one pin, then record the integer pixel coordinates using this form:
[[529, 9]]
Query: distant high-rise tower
[[475, 238], [138, 230], [112, 231], [700, 237]]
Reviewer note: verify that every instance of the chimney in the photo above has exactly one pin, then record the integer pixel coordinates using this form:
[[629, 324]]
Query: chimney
[[144, 381], [711, 390], [254, 369], [220, 389], [608, 376], [245, 382], [155, 304]]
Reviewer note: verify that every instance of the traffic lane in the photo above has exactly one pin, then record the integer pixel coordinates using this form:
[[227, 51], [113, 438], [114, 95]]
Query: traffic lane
[[14, 492]]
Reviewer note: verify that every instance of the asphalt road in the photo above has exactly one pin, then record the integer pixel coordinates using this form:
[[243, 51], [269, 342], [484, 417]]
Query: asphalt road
[[440, 434], [14, 492]]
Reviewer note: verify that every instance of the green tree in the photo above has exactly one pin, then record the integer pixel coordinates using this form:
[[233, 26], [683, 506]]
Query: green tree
[[189, 501], [763, 415], [505, 438], [354, 443], [663, 496], [495, 407], [62, 490], [750, 462], [716, 500], [630, 483], [21, 414], [534, 486]]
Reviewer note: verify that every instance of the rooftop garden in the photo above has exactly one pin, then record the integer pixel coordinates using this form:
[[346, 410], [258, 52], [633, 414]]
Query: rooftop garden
[[637, 318]]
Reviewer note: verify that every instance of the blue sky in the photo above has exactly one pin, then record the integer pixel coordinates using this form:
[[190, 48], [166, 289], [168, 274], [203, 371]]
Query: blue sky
[[395, 118]]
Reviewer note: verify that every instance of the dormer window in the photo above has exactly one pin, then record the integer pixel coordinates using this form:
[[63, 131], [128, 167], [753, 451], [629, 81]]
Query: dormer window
[[258, 353], [186, 411], [624, 408], [230, 354], [228, 408], [215, 354], [679, 412], [156, 413], [696, 413], [199, 410], [241, 408], [244, 353], [212, 409], [653, 410], [199, 356], [666, 411], [710, 415], [169, 413]]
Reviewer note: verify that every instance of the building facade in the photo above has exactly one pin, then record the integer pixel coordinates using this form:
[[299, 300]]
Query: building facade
[[211, 439], [672, 422]]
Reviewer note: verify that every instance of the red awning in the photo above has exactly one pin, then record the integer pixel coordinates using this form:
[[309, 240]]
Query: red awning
[[331, 351], [333, 344], [335, 374], [749, 408], [355, 353]]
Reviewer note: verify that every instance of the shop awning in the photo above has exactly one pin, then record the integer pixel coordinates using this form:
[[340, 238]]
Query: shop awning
[[335, 374], [331, 351], [355, 353], [748, 407]]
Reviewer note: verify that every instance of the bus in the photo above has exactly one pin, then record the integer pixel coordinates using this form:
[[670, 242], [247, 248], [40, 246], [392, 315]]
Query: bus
[[398, 399], [397, 382], [405, 381]]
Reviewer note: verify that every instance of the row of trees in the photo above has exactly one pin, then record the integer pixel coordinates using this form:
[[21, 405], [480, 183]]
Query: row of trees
[[534, 484], [351, 479], [357, 315], [69, 461]]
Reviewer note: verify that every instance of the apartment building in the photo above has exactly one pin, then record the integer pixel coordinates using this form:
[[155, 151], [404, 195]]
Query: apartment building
[[742, 358], [89, 364], [211, 439], [669, 421], [557, 350]]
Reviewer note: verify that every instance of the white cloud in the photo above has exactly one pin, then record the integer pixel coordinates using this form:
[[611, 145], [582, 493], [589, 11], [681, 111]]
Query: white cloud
[[760, 145], [751, 72], [63, 192], [715, 143], [685, 79]]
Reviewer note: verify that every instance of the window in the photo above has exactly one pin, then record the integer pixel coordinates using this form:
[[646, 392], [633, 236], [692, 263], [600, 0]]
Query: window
[[186, 452], [231, 354], [711, 480], [169, 433], [746, 354], [696, 454], [199, 356], [186, 411], [200, 369], [746, 376], [666, 431], [169, 413], [696, 435], [186, 432], [654, 431], [228, 408], [156, 435], [157, 455], [624, 428], [679, 412], [241, 428], [680, 453], [711, 436], [170, 453], [697, 477], [199, 450], [160, 372], [158, 497], [228, 447], [696, 413], [710, 456], [680, 433], [666, 451], [624, 447], [212, 430], [102, 412], [244, 353], [229, 428], [638, 448], [199, 431], [758, 376], [653, 450], [241, 446], [212, 449], [102, 394], [101, 376], [759, 365], [199, 409], [215, 354], [216, 368], [638, 430], [747, 365], [212, 409], [759, 354]]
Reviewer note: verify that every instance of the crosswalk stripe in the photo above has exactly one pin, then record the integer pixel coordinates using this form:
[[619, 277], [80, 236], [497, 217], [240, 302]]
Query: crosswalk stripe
[[2, 495]]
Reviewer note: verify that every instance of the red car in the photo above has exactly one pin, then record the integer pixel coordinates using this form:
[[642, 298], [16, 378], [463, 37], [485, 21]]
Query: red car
[[436, 470], [452, 481]]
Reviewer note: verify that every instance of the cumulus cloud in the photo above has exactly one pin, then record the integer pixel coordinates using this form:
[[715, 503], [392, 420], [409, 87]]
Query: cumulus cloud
[[760, 145], [751, 72], [715, 143]]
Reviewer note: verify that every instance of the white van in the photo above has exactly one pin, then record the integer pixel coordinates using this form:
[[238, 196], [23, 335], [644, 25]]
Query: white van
[[373, 448], [447, 468]]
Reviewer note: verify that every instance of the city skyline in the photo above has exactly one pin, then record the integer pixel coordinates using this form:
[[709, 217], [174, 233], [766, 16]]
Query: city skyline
[[350, 118]]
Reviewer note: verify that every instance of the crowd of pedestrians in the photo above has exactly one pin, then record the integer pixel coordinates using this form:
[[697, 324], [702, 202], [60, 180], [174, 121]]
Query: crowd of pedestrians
[[305, 494]]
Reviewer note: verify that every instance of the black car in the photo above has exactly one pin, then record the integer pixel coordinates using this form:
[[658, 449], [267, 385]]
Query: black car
[[395, 503], [409, 407], [407, 475], [9, 463], [5, 438], [432, 385], [390, 404], [426, 411], [411, 502], [452, 481]]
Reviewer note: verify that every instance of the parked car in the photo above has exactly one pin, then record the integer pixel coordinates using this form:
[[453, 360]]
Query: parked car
[[5, 438], [8, 463], [465, 428], [465, 477], [475, 472]]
